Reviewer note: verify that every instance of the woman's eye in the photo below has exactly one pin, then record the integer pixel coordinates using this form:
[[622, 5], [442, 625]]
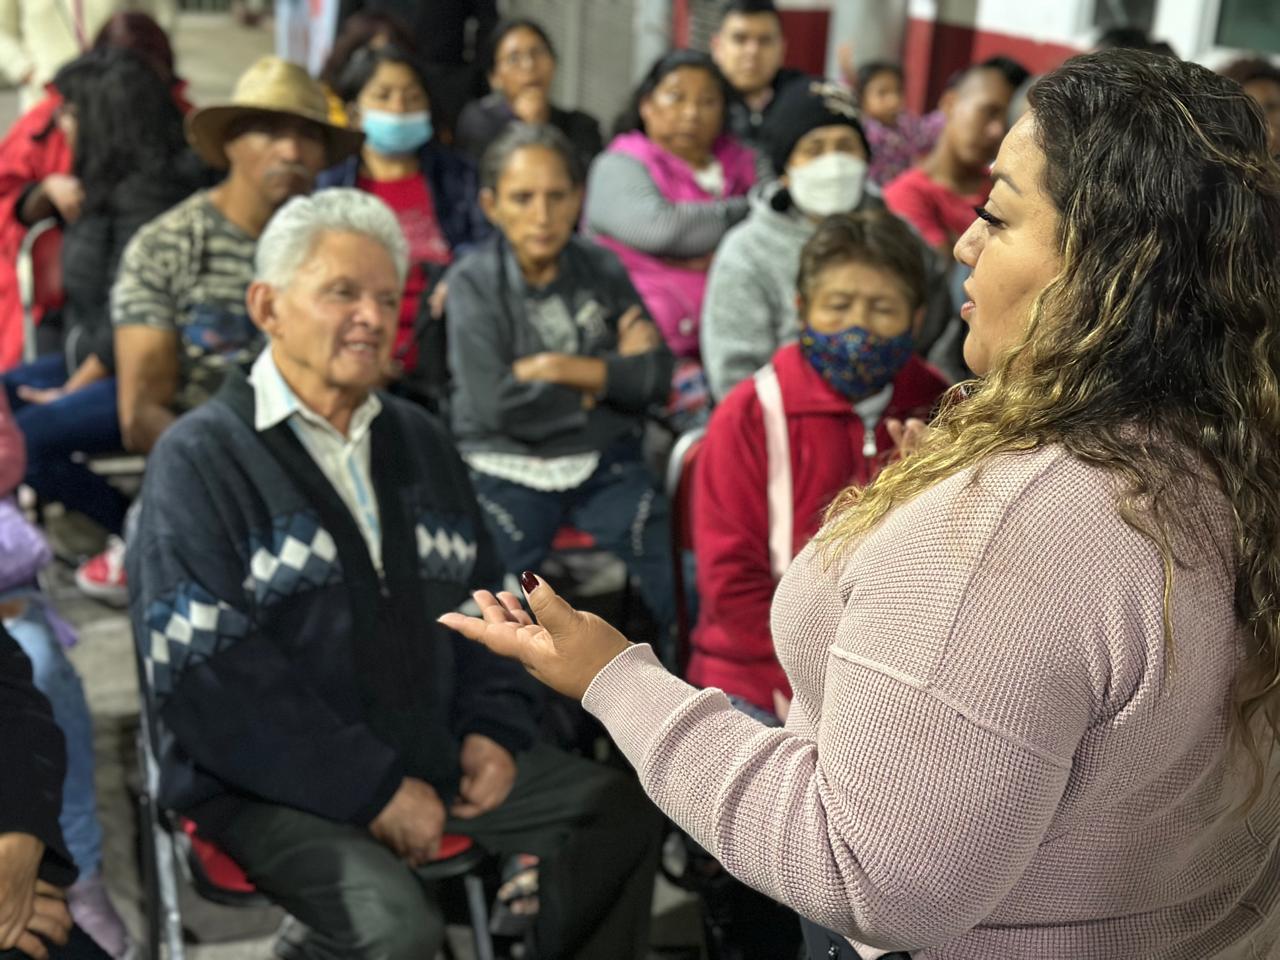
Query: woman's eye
[[984, 215]]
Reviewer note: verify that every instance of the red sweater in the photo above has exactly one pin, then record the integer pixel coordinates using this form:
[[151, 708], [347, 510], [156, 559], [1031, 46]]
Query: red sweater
[[940, 215], [732, 644]]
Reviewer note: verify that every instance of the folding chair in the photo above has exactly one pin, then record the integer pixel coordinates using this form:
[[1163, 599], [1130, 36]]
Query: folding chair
[[680, 476], [172, 846], [39, 280]]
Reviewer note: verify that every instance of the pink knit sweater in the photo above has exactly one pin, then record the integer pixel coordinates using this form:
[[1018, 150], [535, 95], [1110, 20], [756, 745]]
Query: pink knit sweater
[[989, 753]]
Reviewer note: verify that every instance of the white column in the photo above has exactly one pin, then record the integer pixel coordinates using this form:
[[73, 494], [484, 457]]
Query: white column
[[651, 34], [874, 27]]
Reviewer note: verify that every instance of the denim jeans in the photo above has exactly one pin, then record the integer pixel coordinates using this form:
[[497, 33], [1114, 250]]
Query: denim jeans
[[86, 421], [618, 505], [57, 679]]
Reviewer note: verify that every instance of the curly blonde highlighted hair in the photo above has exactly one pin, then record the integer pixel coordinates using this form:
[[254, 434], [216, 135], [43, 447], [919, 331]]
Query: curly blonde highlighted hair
[[1155, 351]]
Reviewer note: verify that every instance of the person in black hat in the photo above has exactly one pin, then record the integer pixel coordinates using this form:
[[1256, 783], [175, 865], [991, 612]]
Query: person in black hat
[[819, 154]]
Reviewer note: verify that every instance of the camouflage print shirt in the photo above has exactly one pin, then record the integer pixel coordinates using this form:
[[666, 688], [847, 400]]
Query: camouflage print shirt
[[188, 271]]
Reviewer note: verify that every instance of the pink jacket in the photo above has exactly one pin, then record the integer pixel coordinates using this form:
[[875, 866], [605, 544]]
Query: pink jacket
[[674, 294], [991, 751]]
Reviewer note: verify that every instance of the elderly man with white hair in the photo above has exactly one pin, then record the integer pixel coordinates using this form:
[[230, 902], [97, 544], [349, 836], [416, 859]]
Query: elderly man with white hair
[[300, 534]]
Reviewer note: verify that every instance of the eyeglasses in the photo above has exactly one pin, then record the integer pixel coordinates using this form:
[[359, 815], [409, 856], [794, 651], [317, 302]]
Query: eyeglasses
[[525, 58], [671, 99]]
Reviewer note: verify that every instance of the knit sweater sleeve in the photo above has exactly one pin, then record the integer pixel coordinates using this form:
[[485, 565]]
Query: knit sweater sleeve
[[224, 684], [953, 702], [737, 315], [624, 203]]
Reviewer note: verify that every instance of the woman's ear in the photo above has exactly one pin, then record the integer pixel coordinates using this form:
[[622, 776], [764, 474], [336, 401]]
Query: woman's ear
[[353, 115], [802, 310], [646, 111], [917, 321]]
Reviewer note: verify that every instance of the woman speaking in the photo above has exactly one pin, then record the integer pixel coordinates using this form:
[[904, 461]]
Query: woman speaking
[[1036, 663]]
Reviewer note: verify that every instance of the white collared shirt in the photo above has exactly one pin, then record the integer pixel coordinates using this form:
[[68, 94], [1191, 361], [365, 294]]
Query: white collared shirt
[[345, 461]]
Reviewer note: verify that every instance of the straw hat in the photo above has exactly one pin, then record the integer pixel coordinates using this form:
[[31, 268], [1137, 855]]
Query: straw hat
[[271, 87]]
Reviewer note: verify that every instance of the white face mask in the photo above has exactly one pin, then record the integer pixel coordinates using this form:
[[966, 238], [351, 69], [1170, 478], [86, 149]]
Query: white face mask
[[831, 184]]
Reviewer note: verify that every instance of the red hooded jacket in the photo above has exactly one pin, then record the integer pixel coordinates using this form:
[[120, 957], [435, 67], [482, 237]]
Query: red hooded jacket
[[732, 643], [25, 158]]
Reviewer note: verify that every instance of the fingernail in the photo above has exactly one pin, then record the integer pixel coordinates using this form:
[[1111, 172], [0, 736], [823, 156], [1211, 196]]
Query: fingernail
[[529, 582]]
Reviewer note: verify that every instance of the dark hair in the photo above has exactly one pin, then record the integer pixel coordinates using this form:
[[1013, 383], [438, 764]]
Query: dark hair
[[746, 8], [364, 63], [1164, 315], [1250, 70], [499, 33], [668, 63], [360, 30], [876, 238], [133, 30], [1153, 353], [869, 71], [126, 121], [1014, 73], [518, 136], [1170, 290], [1132, 38]]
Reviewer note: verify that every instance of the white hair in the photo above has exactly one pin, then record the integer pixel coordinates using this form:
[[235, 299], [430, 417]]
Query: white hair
[[293, 232]]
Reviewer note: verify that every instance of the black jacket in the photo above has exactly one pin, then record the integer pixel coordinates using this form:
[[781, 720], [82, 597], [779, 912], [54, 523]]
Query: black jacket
[[482, 120], [33, 763], [283, 667], [745, 123], [93, 244]]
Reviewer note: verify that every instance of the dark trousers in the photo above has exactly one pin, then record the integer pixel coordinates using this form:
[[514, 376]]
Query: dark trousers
[[618, 505], [83, 422], [823, 944], [80, 946], [593, 828]]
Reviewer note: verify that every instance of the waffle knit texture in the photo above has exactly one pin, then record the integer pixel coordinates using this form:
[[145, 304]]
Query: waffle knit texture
[[989, 753]]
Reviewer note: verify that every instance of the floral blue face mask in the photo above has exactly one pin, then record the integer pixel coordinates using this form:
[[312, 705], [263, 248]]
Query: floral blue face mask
[[856, 362], [393, 134]]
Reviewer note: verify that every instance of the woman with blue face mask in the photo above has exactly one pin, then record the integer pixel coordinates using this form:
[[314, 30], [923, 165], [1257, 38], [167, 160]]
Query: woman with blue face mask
[[431, 189], [822, 414]]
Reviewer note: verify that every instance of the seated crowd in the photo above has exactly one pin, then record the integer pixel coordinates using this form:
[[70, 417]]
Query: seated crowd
[[374, 362]]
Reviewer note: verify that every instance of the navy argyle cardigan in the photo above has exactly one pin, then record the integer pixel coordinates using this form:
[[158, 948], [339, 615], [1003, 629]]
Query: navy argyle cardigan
[[283, 668]]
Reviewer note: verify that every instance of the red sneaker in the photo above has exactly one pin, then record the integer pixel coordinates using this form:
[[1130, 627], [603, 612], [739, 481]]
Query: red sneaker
[[102, 577]]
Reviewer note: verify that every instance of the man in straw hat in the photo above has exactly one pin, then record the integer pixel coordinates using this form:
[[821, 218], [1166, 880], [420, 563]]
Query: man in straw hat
[[178, 304]]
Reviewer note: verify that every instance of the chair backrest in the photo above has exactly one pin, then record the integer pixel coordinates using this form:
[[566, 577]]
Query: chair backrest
[[681, 470], [39, 269]]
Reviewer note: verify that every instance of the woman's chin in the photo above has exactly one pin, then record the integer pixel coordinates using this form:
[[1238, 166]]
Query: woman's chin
[[975, 358]]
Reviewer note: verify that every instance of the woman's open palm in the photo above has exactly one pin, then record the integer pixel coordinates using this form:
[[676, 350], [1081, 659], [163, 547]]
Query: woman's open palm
[[565, 648]]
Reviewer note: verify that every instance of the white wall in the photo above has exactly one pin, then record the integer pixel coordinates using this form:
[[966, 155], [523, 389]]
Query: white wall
[[875, 28]]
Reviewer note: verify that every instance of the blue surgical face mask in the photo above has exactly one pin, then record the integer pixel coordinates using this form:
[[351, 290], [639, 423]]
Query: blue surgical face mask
[[395, 133], [856, 362]]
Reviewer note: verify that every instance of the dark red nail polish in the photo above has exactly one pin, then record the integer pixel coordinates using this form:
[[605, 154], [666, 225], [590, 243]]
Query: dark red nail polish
[[529, 582]]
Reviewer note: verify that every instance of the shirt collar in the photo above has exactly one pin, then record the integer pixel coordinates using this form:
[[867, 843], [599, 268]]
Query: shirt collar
[[275, 402]]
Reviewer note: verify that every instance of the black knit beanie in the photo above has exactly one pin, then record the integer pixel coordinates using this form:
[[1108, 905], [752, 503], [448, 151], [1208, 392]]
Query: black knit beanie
[[805, 105]]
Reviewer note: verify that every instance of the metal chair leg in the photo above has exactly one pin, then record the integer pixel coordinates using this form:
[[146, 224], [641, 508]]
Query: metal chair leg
[[169, 911], [479, 911]]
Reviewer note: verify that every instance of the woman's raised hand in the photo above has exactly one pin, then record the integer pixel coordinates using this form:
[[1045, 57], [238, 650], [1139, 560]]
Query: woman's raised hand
[[565, 648]]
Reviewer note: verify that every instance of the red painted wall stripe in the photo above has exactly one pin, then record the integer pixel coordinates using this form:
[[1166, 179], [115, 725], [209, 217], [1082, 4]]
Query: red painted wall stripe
[[932, 52], [806, 32]]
